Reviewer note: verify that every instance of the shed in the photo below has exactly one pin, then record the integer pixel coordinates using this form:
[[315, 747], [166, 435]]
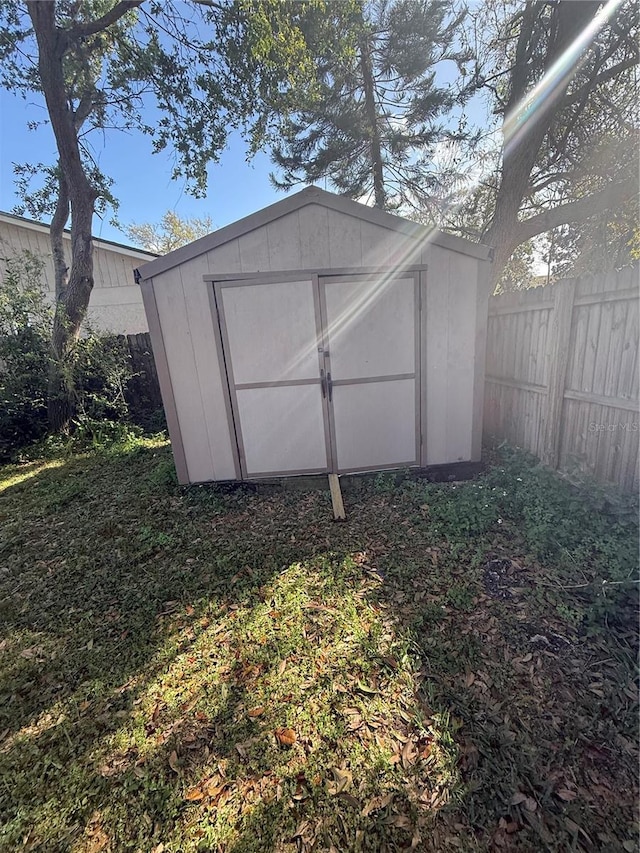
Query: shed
[[319, 335]]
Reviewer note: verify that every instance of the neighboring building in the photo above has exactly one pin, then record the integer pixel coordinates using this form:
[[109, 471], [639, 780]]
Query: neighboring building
[[116, 301]]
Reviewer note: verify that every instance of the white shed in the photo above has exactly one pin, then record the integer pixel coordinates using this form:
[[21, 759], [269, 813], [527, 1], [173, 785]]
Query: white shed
[[319, 335]]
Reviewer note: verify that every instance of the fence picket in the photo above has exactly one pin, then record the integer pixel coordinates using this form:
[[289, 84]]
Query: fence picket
[[566, 386]]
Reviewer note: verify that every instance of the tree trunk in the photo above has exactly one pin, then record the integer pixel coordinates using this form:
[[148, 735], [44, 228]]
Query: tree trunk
[[73, 300], [56, 237], [525, 128], [59, 412], [371, 111]]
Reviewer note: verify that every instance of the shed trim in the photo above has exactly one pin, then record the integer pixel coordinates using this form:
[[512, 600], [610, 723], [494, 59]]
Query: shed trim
[[164, 380], [313, 195], [482, 319], [269, 277]]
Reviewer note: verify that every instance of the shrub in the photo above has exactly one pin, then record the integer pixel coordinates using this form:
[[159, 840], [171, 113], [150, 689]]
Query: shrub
[[101, 367], [25, 322]]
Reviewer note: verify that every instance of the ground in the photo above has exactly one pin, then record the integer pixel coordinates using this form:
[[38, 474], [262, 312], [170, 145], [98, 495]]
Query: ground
[[227, 669]]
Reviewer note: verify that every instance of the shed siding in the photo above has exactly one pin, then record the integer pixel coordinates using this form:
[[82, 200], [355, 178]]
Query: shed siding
[[195, 373], [449, 334], [209, 373], [283, 240], [254, 252], [313, 238]]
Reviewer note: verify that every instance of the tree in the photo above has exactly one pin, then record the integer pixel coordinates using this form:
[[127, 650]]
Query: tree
[[372, 122], [206, 68], [170, 233], [563, 79]]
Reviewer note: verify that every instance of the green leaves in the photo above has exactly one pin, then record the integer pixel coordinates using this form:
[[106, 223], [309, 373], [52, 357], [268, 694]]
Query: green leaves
[[378, 107]]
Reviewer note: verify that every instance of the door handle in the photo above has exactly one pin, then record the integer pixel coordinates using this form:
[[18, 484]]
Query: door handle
[[323, 384], [330, 386]]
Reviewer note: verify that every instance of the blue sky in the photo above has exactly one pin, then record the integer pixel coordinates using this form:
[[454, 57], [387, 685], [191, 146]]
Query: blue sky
[[143, 182]]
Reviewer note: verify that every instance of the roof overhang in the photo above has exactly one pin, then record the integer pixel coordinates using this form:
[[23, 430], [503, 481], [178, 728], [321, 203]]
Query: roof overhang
[[313, 195], [107, 245]]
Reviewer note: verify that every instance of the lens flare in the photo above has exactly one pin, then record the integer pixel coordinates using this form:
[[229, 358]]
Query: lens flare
[[550, 88]]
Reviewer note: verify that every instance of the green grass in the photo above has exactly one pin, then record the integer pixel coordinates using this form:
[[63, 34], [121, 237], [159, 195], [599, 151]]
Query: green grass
[[219, 669]]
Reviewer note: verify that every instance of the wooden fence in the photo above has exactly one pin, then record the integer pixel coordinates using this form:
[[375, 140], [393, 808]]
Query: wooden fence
[[143, 389], [562, 374]]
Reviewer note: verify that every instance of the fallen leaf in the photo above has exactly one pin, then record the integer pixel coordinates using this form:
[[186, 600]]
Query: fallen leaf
[[256, 712], [30, 653], [194, 794], [342, 780], [409, 754], [302, 827], [364, 688], [402, 821], [377, 803], [173, 762], [518, 798], [349, 798], [287, 737]]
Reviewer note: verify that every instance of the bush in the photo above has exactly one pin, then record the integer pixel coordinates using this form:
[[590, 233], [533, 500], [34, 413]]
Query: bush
[[101, 368], [25, 322]]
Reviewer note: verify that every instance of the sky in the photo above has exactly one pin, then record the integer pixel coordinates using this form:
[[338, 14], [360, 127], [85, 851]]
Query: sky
[[143, 182]]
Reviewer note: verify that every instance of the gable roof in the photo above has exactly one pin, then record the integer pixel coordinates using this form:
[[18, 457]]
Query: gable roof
[[109, 245], [312, 195]]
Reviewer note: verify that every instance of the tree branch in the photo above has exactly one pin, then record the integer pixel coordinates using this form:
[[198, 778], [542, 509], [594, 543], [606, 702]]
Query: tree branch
[[609, 74], [114, 14], [574, 211]]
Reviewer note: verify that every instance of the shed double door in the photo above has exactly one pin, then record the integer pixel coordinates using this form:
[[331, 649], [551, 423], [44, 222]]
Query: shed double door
[[323, 371]]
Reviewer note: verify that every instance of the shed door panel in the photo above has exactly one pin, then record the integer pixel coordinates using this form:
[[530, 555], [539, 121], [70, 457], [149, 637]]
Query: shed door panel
[[270, 334], [282, 429], [272, 331], [372, 337], [375, 424], [371, 327]]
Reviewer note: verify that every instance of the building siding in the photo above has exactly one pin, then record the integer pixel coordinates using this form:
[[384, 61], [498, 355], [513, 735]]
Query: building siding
[[116, 302]]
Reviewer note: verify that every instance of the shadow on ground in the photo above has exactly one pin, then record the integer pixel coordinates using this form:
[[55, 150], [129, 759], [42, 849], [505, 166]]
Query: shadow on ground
[[429, 711]]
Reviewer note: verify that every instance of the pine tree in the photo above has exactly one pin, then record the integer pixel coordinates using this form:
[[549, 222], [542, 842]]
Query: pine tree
[[377, 112]]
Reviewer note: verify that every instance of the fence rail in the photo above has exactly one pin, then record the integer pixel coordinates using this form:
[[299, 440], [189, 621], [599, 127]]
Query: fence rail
[[562, 374]]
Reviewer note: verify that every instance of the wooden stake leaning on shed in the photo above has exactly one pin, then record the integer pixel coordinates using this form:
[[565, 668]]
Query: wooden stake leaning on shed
[[336, 498]]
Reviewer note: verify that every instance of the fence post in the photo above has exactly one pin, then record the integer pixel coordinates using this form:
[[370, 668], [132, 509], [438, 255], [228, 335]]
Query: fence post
[[557, 362]]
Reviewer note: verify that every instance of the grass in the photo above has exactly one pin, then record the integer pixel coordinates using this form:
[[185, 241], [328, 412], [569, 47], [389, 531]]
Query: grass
[[213, 669]]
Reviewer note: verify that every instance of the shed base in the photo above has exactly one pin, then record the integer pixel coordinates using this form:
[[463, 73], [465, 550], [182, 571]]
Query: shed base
[[447, 473]]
